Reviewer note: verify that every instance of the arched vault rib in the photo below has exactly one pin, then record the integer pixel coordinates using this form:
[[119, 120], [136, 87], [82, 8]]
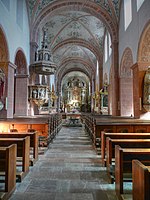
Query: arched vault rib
[[83, 43], [64, 72], [89, 7], [77, 60]]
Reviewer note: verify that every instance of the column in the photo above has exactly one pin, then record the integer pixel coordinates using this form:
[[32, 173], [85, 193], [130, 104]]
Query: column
[[8, 98], [21, 95], [115, 80], [136, 100]]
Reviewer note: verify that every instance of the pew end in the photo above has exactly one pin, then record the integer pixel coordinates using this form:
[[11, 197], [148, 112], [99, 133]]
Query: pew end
[[141, 188], [8, 168]]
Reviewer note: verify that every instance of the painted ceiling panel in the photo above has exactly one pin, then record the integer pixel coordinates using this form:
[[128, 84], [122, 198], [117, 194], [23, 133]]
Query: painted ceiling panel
[[69, 51], [43, 3], [75, 25]]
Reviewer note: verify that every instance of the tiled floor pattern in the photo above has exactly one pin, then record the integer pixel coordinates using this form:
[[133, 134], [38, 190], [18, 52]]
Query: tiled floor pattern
[[69, 170]]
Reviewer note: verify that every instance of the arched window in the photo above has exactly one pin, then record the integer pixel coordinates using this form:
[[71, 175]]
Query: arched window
[[139, 3], [127, 13], [106, 48], [109, 44]]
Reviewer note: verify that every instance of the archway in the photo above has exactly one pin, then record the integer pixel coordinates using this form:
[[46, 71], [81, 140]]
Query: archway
[[126, 84], [4, 57], [21, 85], [75, 92], [143, 58]]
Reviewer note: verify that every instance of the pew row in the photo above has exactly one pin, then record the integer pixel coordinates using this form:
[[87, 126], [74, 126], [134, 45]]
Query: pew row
[[141, 188], [23, 148], [104, 135], [94, 125], [123, 165], [33, 142], [124, 143], [8, 168]]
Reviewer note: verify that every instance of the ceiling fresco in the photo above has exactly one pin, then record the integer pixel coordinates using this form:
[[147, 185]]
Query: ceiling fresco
[[36, 6], [75, 25], [72, 33]]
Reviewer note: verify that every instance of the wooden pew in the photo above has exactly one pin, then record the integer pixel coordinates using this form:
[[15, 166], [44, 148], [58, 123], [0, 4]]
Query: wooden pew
[[8, 168], [23, 148], [141, 188], [104, 135], [33, 142], [123, 164], [124, 143]]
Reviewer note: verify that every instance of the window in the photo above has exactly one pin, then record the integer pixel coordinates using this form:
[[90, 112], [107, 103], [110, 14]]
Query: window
[[106, 48], [20, 13], [127, 13], [109, 44], [139, 3]]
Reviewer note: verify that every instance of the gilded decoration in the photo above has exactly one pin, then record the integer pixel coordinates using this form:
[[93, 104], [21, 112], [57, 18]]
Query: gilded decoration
[[75, 92]]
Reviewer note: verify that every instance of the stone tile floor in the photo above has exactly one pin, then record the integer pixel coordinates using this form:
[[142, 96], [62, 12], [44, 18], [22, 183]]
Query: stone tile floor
[[69, 170]]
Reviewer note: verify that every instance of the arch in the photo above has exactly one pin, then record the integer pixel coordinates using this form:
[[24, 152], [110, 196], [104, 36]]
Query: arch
[[126, 63], [143, 55], [20, 62], [143, 58], [82, 43], [4, 52], [126, 83], [70, 70], [63, 69], [89, 7], [21, 84]]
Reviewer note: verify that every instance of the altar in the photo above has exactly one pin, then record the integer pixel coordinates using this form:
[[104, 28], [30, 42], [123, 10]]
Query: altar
[[73, 118]]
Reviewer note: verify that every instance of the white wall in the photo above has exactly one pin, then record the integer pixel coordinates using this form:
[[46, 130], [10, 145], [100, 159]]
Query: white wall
[[106, 67], [16, 37], [131, 36]]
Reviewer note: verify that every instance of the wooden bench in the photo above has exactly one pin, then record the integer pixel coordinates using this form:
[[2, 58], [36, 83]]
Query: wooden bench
[[124, 143], [8, 167], [23, 149], [123, 164], [33, 142], [104, 135], [141, 188]]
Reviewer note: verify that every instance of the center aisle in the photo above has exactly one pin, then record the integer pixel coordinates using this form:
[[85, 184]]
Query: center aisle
[[69, 170]]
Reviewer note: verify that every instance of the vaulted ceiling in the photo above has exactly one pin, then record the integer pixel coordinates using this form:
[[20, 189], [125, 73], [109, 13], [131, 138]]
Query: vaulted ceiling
[[75, 33]]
